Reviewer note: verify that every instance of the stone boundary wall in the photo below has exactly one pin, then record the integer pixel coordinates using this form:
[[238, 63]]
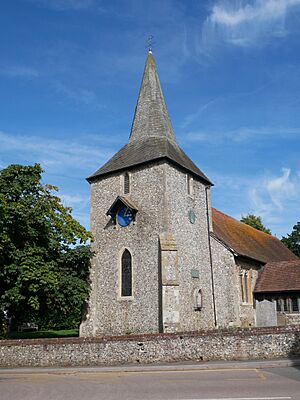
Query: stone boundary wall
[[239, 344]]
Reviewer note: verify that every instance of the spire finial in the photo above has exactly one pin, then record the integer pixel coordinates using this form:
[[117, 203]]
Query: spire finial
[[150, 43]]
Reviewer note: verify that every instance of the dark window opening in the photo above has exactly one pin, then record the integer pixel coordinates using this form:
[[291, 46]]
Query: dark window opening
[[242, 288], [126, 183], [295, 305], [126, 286], [278, 305], [246, 287], [285, 304]]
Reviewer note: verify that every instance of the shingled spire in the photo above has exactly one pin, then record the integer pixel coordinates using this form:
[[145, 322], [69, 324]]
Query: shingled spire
[[151, 117], [151, 137]]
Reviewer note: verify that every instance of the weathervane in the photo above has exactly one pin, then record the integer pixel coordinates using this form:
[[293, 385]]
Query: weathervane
[[150, 43]]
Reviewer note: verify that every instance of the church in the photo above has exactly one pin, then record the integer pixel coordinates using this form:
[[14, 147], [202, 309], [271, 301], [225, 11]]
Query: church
[[165, 260]]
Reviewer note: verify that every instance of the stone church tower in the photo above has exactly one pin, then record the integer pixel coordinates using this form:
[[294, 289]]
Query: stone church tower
[[150, 217]]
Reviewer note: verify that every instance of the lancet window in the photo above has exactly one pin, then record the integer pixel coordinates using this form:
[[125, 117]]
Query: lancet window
[[126, 274]]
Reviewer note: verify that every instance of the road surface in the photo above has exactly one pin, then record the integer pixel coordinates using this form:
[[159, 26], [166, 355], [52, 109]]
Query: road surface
[[182, 382]]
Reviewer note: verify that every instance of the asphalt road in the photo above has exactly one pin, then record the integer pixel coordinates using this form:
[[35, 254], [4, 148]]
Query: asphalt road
[[184, 382]]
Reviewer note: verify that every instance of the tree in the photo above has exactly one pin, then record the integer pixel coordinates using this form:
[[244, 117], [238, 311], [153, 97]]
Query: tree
[[43, 274], [255, 222], [292, 241]]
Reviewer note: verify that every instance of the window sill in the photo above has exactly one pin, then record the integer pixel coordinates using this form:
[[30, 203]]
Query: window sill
[[125, 298], [289, 312]]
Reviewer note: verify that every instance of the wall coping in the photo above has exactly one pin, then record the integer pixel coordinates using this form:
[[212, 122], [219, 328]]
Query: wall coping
[[237, 332]]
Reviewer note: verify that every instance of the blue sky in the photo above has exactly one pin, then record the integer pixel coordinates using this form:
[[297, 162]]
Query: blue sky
[[70, 72]]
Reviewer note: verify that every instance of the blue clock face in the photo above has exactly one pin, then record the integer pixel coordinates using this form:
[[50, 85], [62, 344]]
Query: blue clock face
[[124, 216]]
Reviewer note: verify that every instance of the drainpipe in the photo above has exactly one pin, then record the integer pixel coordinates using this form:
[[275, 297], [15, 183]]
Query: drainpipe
[[210, 258]]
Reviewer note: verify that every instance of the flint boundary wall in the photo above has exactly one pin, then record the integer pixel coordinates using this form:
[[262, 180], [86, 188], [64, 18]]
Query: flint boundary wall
[[240, 344]]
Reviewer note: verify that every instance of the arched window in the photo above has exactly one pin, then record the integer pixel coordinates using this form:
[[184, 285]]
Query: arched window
[[126, 183], [126, 278]]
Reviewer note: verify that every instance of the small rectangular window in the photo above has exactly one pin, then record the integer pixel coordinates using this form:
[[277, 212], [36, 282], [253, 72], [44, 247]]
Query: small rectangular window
[[190, 185]]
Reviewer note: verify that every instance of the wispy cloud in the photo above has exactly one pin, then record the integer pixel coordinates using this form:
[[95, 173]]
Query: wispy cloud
[[77, 95], [195, 116], [246, 23], [282, 187], [18, 71], [189, 119], [272, 196], [71, 200], [54, 154], [62, 5], [241, 134]]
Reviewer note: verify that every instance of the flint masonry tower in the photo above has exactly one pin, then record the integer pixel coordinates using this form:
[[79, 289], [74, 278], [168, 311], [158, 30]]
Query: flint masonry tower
[[150, 217]]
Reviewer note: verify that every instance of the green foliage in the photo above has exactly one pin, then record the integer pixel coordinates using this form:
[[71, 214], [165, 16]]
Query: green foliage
[[292, 241], [255, 222], [43, 277]]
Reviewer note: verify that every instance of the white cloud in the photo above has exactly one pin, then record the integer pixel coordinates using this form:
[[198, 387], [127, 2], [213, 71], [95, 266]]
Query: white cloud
[[79, 204], [246, 23], [274, 197], [19, 71], [282, 188], [271, 197], [71, 200]]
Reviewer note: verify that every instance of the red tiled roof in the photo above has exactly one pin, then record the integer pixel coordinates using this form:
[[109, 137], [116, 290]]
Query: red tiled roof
[[247, 241], [279, 277]]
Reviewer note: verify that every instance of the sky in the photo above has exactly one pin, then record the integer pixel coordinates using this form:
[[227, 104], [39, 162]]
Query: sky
[[70, 72]]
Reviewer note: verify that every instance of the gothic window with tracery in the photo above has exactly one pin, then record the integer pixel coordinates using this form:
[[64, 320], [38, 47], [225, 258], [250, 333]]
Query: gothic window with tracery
[[126, 278]]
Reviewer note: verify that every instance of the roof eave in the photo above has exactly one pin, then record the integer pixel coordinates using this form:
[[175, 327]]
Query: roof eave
[[276, 291], [95, 176]]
